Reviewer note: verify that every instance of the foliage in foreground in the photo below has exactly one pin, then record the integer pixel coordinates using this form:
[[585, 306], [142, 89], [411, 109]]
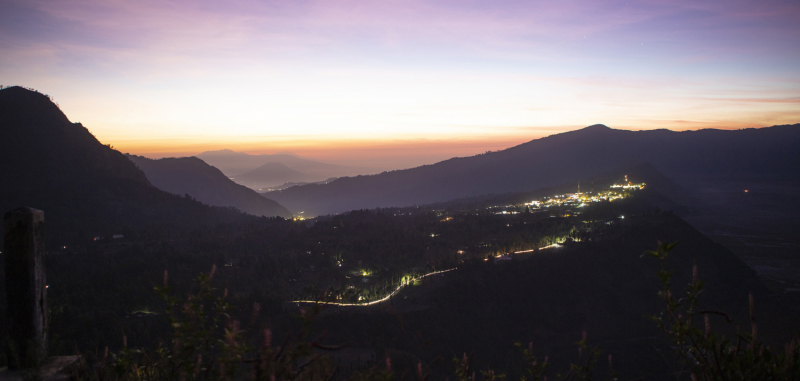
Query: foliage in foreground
[[707, 355], [207, 344]]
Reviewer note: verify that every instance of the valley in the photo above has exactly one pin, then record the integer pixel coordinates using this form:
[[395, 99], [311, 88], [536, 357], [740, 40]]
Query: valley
[[453, 222], [437, 190]]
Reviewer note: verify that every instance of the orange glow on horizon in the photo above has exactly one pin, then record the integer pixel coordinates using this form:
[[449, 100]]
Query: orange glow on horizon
[[400, 83], [379, 153]]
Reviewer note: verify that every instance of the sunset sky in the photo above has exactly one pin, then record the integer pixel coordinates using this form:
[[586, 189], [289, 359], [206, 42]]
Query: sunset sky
[[399, 83]]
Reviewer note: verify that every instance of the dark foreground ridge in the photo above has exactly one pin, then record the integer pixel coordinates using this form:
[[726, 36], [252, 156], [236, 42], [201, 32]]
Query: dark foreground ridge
[[604, 288], [596, 281]]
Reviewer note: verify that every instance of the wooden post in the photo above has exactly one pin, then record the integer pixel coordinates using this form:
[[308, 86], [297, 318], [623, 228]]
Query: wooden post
[[26, 289]]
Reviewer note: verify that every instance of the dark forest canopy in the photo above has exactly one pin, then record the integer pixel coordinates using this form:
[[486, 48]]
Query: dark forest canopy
[[597, 282]]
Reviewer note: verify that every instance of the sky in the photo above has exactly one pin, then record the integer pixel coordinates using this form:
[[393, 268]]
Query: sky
[[394, 83]]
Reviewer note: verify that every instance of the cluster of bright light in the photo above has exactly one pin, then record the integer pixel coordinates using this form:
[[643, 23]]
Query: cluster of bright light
[[629, 186], [507, 256], [551, 246], [507, 212], [405, 281], [582, 199]]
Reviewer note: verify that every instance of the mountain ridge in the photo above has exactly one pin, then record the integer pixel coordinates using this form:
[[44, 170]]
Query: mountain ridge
[[560, 158]]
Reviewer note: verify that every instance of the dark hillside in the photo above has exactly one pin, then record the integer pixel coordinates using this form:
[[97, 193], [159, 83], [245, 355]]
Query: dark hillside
[[84, 187], [192, 176], [604, 287]]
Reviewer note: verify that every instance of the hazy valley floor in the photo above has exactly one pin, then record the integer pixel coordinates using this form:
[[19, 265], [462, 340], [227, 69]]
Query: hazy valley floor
[[760, 226]]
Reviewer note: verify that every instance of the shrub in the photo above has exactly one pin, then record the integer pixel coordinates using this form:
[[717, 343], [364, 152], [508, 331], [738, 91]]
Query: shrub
[[707, 355]]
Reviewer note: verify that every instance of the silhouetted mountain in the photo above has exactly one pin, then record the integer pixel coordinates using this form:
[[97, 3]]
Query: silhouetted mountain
[[192, 176], [593, 151], [84, 187], [271, 174], [234, 163]]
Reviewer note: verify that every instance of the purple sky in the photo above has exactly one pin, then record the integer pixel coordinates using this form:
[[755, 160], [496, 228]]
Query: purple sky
[[426, 80]]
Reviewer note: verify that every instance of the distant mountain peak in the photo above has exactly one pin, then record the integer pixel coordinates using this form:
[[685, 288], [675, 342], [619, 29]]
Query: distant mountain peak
[[596, 127], [288, 153], [220, 152], [234, 163]]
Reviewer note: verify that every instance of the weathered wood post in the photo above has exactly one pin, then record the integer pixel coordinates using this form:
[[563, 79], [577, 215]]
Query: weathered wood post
[[26, 290]]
